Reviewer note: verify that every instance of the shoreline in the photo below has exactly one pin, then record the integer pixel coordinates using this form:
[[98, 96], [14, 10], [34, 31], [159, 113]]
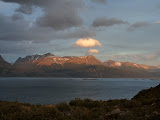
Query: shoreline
[[144, 105], [80, 77]]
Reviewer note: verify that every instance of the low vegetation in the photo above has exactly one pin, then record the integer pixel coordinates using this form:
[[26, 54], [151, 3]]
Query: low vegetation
[[144, 106]]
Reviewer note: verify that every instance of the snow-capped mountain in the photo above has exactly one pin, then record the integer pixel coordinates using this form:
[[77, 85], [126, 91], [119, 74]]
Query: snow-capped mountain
[[50, 59], [129, 65]]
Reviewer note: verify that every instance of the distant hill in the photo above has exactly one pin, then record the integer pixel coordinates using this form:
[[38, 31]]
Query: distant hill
[[131, 66]]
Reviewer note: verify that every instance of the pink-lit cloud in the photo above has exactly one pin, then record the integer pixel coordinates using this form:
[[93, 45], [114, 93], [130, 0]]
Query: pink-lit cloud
[[93, 51], [87, 43]]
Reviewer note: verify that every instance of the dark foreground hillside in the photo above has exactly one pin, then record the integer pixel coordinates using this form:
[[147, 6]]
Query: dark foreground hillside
[[144, 106]]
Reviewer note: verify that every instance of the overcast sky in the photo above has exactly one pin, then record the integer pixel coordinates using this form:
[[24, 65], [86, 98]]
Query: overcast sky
[[121, 30]]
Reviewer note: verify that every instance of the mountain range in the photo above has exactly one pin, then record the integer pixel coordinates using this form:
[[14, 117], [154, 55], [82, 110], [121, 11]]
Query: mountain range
[[50, 65]]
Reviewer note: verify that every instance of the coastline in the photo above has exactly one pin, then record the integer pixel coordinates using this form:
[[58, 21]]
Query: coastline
[[144, 105]]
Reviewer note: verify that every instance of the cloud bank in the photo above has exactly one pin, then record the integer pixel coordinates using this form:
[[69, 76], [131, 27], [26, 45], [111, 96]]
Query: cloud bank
[[138, 25], [58, 14], [100, 1], [16, 28], [103, 21]]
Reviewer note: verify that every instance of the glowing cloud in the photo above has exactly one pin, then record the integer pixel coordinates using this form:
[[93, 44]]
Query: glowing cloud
[[87, 43], [92, 51]]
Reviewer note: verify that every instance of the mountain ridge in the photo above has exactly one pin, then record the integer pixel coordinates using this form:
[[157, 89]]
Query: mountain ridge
[[3, 62], [5, 67], [49, 59]]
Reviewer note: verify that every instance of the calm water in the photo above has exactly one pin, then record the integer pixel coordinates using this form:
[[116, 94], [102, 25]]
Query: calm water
[[56, 90]]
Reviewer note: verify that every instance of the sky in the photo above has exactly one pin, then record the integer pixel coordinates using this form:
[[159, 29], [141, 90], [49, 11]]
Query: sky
[[121, 30]]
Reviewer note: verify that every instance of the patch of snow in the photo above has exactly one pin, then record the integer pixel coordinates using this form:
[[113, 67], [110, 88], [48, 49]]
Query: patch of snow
[[118, 63], [145, 67], [138, 66]]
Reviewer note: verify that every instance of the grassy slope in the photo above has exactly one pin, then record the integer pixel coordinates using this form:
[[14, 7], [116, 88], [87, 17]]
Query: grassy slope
[[144, 106]]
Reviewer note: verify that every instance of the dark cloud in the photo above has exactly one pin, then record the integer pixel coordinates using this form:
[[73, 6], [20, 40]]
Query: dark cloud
[[25, 9], [103, 21], [38, 3], [17, 17], [138, 25], [61, 15], [60, 18], [16, 28], [58, 14], [100, 1]]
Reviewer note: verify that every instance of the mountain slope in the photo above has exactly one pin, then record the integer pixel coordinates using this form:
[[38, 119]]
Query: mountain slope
[[5, 67], [88, 60], [3, 63]]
